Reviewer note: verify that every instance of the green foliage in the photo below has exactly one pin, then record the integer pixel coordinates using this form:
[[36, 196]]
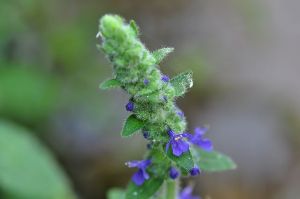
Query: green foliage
[[25, 94], [28, 170], [212, 161], [182, 82], [160, 54], [110, 83], [131, 125]]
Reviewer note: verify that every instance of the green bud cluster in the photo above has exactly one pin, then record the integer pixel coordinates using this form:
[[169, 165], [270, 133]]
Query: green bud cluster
[[133, 64]]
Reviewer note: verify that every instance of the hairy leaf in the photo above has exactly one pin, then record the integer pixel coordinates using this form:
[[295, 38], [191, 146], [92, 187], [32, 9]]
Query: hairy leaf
[[131, 125], [160, 54], [146, 190], [185, 161], [182, 82], [135, 27], [212, 161], [110, 83]]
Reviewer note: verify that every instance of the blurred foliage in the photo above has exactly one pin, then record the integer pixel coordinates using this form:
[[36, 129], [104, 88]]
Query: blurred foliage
[[68, 44], [26, 94], [27, 169], [115, 193]]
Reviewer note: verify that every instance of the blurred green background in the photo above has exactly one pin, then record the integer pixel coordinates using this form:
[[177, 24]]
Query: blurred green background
[[59, 134]]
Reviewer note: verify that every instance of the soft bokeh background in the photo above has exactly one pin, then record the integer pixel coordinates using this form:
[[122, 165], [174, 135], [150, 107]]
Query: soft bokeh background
[[56, 126]]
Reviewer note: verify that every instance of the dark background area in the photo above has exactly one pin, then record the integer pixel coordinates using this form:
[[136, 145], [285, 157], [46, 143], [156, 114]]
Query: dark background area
[[245, 58]]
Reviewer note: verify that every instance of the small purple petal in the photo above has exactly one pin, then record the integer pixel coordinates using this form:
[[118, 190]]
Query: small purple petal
[[168, 145], [171, 133], [200, 131], [186, 193], [146, 134], [165, 98], [195, 171], [173, 173], [186, 135], [145, 174], [199, 141], [133, 163], [139, 164], [205, 144], [145, 163], [165, 78], [146, 81], [180, 114], [138, 177], [149, 146], [130, 106]]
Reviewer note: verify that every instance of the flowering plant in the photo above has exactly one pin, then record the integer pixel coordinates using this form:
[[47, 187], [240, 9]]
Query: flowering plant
[[172, 151]]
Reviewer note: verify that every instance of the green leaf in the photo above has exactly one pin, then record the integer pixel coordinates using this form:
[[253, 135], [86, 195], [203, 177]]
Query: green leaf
[[160, 54], [116, 193], [146, 190], [185, 161], [135, 27], [131, 125], [110, 83], [182, 82], [212, 161], [27, 169]]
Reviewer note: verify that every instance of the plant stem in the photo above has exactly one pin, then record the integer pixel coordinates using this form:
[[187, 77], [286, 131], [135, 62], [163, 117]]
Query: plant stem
[[172, 189]]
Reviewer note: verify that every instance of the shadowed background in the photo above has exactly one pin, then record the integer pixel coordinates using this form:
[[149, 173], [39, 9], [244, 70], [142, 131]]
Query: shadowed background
[[245, 58]]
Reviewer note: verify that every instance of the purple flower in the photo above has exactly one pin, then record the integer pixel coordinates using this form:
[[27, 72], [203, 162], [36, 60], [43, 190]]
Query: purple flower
[[146, 134], [129, 106], [186, 193], [165, 78], [177, 143], [197, 139], [149, 146], [195, 171], [141, 175], [180, 114], [173, 173], [165, 98], [146, 81]]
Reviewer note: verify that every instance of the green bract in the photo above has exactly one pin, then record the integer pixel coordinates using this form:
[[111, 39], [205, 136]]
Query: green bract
[[152, 103]]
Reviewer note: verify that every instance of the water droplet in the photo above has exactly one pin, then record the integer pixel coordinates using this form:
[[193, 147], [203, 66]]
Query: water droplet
[[98, 35]]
